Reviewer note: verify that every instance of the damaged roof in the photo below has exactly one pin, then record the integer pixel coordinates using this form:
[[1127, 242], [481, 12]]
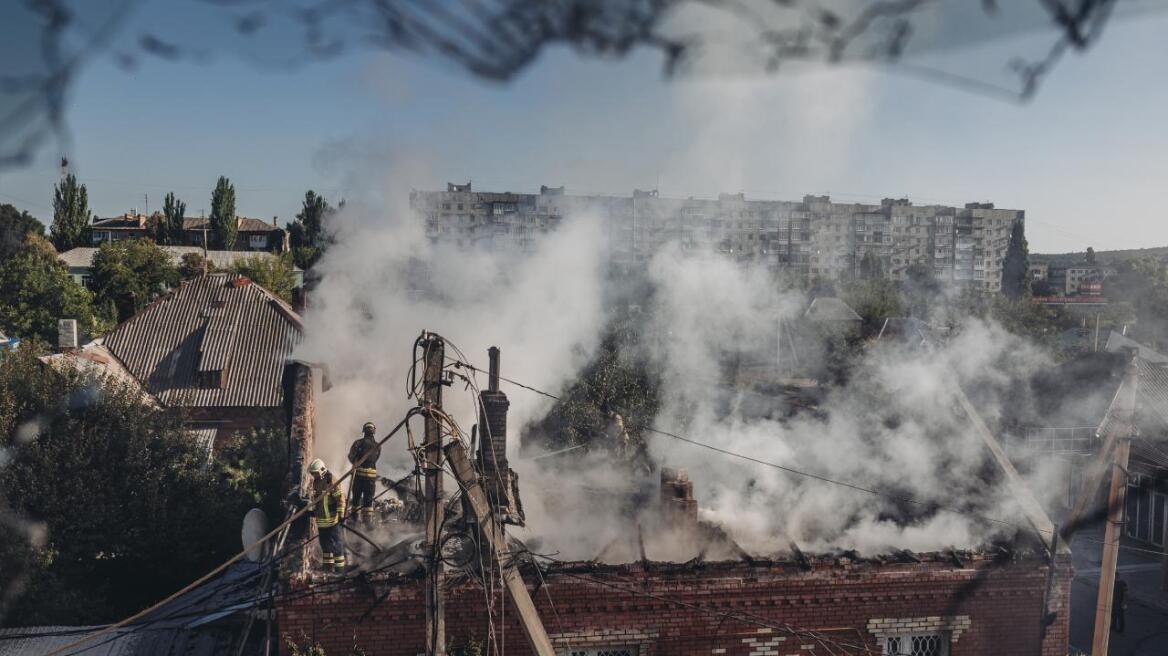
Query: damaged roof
[[830, 308], [217, 340]]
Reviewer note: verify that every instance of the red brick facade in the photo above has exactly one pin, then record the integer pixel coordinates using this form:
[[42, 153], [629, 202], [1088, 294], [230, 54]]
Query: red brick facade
[[732, 608]]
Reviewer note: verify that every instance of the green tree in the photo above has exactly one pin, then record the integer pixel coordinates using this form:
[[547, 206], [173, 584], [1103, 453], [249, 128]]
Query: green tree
[[36, 290], [130, 273], [193, 265], [618, 379], [1090, 256], [173, 212], [1015, 265], [70, 214], [223, 223], [871, 267], [1142, 284], [874, 300], [272, 272], [15, 227], [130, 509], [306, 233], [920, 290]]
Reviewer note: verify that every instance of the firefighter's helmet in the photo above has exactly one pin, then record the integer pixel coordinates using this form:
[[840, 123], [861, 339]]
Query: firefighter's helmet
[[369, 428], [317, 468]]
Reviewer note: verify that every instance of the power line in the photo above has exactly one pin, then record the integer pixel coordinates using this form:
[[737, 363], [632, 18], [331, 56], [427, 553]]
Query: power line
[[792, 470]]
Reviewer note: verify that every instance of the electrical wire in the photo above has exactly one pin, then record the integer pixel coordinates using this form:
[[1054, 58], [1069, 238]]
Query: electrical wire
[[819, 477], [792, 470]]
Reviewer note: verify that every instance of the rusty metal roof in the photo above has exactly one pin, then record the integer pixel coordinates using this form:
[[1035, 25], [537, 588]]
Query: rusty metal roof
[[218, 340], [243, 224]]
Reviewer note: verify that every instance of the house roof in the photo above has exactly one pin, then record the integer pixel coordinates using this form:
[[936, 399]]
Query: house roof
[[830, 308], [1117, 343], [123, 222], [1151, 399], [189, 625], [97, 360], [215, 323], [246, 224], [82, 257]]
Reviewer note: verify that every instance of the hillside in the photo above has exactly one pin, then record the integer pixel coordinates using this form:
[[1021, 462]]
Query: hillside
[[1111, 257]]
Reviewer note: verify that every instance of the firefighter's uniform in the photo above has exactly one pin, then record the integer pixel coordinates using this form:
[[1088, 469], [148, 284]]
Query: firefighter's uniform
[[328, 513], [365, 476]]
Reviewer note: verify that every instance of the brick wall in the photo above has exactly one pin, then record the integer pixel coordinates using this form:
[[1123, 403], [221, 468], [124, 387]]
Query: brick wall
[[983, 607]]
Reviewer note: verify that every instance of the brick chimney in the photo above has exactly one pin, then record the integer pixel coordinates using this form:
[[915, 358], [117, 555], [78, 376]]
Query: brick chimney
[[492, 453], [679, 509]]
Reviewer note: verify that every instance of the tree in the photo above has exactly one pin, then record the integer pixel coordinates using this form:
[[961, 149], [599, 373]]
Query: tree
[[272, 272], [1015, 265], [192, 265], [871, 267], [131, 273], [173, 211], [874, 300], [15, 227], [618, 379], [307, 232], [131, 511], [70, 214], [36, 290], [1090, 256], [223, 223], [920, 289]]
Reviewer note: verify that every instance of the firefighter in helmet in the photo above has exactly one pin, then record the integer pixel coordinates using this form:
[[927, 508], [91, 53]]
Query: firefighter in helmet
[[365, 476], [328, 512]]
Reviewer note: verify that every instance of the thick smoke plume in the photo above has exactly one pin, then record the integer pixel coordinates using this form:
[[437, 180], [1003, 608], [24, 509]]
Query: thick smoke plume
[[893, 427]]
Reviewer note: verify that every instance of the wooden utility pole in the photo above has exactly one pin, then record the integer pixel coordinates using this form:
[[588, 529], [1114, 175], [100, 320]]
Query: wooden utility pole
[[1116, 505], [496, 541], [1116, 500], [433, 359]]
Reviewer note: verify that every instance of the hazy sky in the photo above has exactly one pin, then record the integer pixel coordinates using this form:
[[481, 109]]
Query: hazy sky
[[1086, 158]]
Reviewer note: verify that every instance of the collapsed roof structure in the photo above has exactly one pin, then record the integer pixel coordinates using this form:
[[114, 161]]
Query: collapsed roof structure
[[635, 597]]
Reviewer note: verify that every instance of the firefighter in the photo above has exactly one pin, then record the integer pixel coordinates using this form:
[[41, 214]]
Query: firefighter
[[328, 513], [365, 476]]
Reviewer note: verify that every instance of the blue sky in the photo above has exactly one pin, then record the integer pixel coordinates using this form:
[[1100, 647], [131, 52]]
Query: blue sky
[[1086, 158]]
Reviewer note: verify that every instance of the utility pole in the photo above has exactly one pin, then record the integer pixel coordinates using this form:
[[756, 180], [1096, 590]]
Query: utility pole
[[494, 536], [1116, 505], [434, 356]]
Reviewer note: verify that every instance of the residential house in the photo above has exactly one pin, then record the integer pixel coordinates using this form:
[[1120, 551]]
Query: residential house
[[80, 260], [128, 226], [251, 235], [833, 315], [215, 349]]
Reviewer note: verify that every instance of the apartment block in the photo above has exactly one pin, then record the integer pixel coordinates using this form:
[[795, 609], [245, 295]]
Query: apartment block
[[815, 237]]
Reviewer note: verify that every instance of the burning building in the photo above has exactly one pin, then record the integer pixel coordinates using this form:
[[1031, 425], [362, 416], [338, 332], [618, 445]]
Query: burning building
[[636, 597]]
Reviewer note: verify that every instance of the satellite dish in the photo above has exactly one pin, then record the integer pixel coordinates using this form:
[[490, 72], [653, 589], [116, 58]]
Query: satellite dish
[[255, 526]]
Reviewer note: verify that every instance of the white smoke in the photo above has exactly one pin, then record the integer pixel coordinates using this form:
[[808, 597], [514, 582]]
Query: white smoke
[[543, 309], [893, 428]]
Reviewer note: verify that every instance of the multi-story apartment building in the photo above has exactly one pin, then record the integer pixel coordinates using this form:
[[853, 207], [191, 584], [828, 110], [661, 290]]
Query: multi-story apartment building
[[813, 237]]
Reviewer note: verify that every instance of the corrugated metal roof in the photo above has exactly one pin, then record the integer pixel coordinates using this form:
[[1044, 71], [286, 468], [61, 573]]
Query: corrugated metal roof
[[244, 331], [190, 625], [244, 224], [1117, 343], [829, 308], [96, 360], [1151, 399]]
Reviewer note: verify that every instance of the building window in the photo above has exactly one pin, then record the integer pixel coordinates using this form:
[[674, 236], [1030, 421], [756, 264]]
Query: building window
[[925, 644]]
